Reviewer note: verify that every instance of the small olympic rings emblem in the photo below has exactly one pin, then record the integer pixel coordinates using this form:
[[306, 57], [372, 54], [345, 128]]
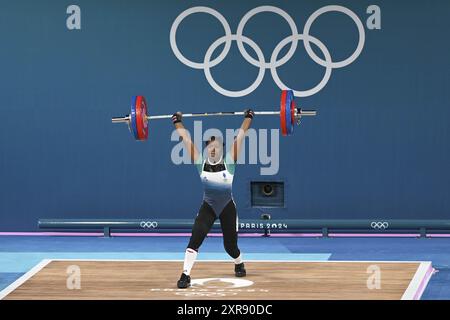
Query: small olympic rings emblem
[[149, 224], [274, 61], [379, 225]]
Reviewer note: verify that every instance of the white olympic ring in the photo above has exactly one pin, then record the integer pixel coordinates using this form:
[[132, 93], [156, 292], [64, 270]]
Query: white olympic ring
[[328, 69], [214, 84], [149, 224], [261, 62], [358, 49], [173, 40], [240, 29], [379, 225]]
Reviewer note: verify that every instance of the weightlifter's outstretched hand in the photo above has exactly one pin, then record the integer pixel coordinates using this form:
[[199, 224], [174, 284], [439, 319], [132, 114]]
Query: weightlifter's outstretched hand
[[249, 113], [177, 117]]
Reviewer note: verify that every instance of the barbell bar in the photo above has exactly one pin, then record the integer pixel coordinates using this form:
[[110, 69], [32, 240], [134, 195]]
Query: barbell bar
[[138, 118], [206, 114]]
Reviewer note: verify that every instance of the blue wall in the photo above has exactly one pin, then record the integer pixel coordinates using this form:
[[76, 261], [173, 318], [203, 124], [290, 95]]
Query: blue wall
[[379, 147]]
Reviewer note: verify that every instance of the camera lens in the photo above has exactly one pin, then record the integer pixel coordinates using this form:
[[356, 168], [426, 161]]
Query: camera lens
[[267, 189]]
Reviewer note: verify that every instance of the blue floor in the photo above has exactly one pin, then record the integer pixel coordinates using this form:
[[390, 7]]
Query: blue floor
[[19, 254]]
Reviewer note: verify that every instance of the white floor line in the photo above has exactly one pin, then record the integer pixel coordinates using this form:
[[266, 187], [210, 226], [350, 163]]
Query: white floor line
[[228, 260], [416, 283], [13, 286]]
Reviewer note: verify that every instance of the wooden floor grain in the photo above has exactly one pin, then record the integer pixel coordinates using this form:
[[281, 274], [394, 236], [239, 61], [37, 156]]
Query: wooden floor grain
[[268, 280]]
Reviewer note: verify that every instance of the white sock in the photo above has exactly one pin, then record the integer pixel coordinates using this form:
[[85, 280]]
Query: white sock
[[189, 259], [238, 260]]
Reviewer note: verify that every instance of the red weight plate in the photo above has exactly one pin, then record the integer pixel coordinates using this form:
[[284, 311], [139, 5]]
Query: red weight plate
[[145, 120], [283, 112], [140, 118], [289, 98]]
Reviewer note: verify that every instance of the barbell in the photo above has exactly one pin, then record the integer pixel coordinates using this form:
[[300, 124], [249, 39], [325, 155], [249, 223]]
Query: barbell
[[138, 118]]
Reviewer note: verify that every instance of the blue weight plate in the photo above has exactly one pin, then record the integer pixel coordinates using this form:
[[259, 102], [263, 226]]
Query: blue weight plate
[[133, 124]]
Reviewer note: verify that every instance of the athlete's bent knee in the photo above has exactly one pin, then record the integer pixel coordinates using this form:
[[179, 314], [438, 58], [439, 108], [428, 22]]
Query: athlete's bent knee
[[232, 250]]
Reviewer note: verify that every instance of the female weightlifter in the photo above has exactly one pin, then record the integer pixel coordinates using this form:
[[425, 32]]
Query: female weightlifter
[[216, 173]]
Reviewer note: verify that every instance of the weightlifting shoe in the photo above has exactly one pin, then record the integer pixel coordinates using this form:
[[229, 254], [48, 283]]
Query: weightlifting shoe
[[239, 270], [184, 282]]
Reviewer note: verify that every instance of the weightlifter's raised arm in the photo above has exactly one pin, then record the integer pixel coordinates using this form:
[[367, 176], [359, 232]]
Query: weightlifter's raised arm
[[184, 134], [236, 148]]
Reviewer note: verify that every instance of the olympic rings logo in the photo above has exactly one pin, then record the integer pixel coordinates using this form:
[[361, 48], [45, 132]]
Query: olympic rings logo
[[379, 225], [274, 61], [149, 224]]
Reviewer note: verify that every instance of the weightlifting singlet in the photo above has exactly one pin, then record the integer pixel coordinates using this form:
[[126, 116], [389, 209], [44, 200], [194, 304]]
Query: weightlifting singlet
[[217, 183]]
